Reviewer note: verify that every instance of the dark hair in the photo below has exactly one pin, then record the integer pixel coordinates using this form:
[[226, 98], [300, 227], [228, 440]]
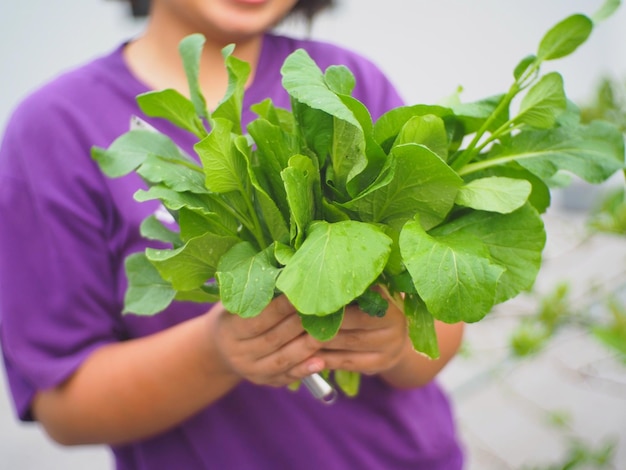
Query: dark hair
[[307, 8]]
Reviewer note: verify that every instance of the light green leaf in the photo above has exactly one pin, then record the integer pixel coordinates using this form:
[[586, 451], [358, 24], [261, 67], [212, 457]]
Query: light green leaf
[[348, 381], [543, 102], [300, 180], [131, 149], [606, 10], [193, 264], [340, 79], [305, 83], [334, 265], [388, 126], [196, 222], [198, 296], [225, 168], [473, 115], [247, 279], [274, 147], [171, 105], [428, 130], [147, 292], [565, 37], [594, 151], [153, 229], [494, 194], [190, 50], [177, 175], [231, 105], [523, 66], [453, 274]]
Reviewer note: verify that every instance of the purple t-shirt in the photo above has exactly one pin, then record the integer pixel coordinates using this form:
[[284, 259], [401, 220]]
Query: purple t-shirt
[[65, 231]]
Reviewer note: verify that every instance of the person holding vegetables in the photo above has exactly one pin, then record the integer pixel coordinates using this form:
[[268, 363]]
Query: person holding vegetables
[[193, 387]]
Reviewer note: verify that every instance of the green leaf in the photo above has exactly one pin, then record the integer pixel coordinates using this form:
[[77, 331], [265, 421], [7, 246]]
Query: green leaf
[[523, 66], [565, 37], [171, 105], [494, 194], [348, 381], [195, 222], [388, 126], [594, 152], [334, 265], [540, 194], [274, 147], [543, 102], [153, 229], [606, 10], [178, 175], [300, 181], [231, 105], [347, 155], [421, 326], [473, 115], [225, 168], [190, 50], [193, 264], [198, 296], [372, 303], [280, 117], [421, 183], [340, 79], [131, 149], [323, 328], [305, 83], [428, 130], [514, 241], [247, 279], [147, 292], [453, 273]]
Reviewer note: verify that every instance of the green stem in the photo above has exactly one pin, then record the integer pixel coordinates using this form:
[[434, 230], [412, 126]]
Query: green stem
[[474, 167], [473, 148]]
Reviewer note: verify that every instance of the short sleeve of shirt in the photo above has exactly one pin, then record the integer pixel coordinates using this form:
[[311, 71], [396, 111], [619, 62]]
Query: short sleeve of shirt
[[56, 275]]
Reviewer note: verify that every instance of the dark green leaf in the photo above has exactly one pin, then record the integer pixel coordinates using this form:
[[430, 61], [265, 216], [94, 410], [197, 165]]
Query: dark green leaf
[[372, 303], [323, 328]]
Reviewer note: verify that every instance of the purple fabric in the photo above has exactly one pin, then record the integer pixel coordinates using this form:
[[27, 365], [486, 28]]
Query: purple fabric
[[65, 232]]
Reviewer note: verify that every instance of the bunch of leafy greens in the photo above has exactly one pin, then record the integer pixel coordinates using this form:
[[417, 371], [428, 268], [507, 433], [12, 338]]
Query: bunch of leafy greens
[[435, 207]]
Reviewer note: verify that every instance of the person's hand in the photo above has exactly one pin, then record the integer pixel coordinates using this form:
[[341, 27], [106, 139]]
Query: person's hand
[[269, 349], [367, 344]]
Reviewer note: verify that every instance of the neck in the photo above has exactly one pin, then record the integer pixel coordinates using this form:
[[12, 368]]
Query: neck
[[154, 59]]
